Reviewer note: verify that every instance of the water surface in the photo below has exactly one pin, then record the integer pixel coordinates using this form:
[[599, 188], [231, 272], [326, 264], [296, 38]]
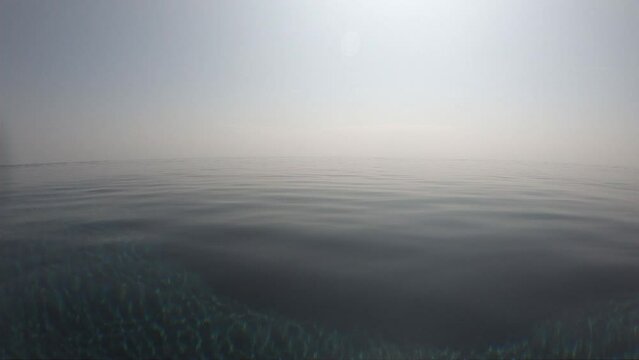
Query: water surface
[[461, 255]]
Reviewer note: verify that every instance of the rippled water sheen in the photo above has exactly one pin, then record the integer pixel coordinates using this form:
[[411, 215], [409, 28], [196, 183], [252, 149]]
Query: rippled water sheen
[[457, 255]]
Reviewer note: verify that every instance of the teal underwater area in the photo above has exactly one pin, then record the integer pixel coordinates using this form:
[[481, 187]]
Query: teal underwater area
[[123, 301], [91, 266]]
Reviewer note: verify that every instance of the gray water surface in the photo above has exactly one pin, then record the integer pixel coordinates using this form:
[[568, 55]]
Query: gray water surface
[[449, 254]]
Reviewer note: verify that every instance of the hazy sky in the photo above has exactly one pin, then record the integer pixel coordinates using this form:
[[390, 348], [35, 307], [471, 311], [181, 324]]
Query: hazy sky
[[531, 80]]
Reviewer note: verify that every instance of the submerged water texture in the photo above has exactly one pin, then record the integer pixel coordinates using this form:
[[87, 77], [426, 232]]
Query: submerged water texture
[[319, 258]]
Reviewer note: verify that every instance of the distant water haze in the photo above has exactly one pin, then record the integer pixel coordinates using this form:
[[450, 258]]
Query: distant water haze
[[541, 80]]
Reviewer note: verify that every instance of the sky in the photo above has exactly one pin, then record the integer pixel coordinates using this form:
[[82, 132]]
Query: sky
[[540, 80]]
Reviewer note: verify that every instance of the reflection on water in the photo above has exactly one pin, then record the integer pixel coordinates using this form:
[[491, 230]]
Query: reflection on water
[[319, 258]]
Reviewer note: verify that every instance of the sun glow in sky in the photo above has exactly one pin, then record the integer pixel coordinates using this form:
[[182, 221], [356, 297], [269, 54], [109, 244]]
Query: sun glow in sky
[[523, 80]]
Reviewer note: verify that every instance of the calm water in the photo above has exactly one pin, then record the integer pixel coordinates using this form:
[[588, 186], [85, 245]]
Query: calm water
[[458, 255]]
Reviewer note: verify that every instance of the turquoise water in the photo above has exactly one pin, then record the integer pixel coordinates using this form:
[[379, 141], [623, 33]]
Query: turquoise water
[[319, 258]]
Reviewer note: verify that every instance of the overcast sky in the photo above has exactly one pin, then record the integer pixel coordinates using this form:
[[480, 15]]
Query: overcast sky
[[525, 80]]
